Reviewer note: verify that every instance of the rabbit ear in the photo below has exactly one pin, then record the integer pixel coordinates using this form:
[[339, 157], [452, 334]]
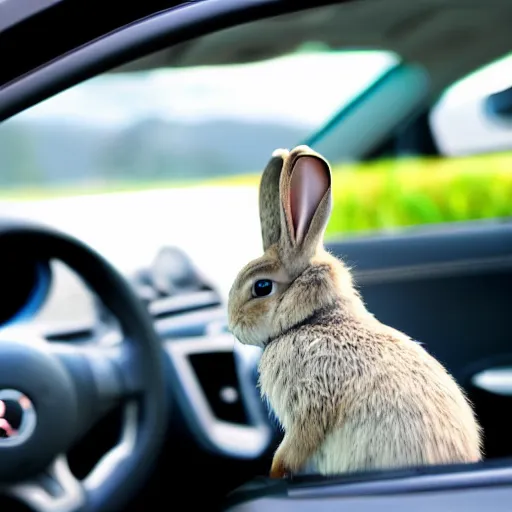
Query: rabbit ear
[[305, 190], [270, 208]]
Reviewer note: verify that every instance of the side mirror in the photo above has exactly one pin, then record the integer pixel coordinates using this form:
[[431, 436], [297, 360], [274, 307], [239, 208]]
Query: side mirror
[[499, 105]]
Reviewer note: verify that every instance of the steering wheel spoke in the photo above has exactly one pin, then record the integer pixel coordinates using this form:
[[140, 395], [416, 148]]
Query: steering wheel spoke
[[54, 490], [104, 376]]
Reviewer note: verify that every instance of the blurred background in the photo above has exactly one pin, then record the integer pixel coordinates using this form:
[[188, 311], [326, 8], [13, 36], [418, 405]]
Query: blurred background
[[137, 159]]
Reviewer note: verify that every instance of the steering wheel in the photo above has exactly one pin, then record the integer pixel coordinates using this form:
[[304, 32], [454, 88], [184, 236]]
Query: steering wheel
[[61, 390]]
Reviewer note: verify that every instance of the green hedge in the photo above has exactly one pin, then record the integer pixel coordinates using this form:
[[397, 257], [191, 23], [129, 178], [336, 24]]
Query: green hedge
[[383, 195], [390, 194]]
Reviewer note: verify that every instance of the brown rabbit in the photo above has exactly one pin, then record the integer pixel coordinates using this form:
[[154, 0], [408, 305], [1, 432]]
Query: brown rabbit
[[351, 393]]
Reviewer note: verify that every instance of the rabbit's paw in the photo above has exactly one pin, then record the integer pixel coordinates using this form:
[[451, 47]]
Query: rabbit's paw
[[278, 469]]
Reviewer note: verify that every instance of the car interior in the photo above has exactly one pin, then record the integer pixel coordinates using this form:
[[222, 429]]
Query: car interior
[[114, 314]]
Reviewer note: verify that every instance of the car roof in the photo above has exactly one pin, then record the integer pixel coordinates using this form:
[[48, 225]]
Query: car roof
[[448, 38], [32, 36], [15, 11]]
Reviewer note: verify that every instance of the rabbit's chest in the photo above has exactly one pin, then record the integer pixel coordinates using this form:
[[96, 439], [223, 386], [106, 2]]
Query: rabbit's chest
[[296, 373], [285, 373], [278, 376]]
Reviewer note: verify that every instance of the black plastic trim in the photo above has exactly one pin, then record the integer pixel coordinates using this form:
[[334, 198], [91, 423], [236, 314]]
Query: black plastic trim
[[409, 481], [77, 21], [433, 244], [185, 303], [395, 483], [149, 35]]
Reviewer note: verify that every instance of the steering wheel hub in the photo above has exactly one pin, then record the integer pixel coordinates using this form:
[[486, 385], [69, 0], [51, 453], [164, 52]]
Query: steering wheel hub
[[38, 409], [18, 417]]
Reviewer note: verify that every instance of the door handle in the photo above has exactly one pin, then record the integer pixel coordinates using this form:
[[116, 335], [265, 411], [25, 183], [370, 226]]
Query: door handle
[[495, 380]]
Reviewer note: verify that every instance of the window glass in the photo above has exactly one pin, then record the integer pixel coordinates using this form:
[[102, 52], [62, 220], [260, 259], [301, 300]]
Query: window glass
[[138, 159]]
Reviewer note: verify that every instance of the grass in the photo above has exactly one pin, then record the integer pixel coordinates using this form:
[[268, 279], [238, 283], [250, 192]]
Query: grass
[[391, 194], [376, 196]]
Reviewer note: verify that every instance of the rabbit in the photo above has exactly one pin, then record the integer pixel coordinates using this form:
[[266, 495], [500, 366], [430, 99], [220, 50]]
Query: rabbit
[[350, 393]]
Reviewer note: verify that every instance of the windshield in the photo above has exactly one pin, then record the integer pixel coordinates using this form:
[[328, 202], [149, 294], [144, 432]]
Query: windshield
[[159, 127], [132, 162]]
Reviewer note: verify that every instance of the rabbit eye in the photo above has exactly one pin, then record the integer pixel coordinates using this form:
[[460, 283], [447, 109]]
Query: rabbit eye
[[262, 288]]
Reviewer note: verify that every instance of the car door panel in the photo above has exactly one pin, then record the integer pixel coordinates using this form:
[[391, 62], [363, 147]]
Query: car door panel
[[447, 288]]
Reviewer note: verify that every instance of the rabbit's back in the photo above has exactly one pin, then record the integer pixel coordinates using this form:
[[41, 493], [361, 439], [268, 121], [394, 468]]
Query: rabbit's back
[[383, 401]]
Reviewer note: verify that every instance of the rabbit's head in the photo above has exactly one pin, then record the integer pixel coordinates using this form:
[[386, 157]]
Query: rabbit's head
[[295, 278]]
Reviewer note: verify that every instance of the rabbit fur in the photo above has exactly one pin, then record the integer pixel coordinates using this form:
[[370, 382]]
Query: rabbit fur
[[351, 393]]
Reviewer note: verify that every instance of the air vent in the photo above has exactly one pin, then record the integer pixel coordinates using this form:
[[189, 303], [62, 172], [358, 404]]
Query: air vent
[[192, 324], [218, 379], [76, 336], [183, 303]]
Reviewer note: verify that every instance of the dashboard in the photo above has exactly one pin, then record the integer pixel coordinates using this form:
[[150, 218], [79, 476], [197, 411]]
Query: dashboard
[[189, 318]]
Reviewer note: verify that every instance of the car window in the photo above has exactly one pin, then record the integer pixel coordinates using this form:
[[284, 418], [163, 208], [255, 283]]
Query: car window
[[160, 127], [145, 157], [135, 160]]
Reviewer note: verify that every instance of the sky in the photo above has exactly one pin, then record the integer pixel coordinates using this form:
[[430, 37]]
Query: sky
[[305, 88]]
